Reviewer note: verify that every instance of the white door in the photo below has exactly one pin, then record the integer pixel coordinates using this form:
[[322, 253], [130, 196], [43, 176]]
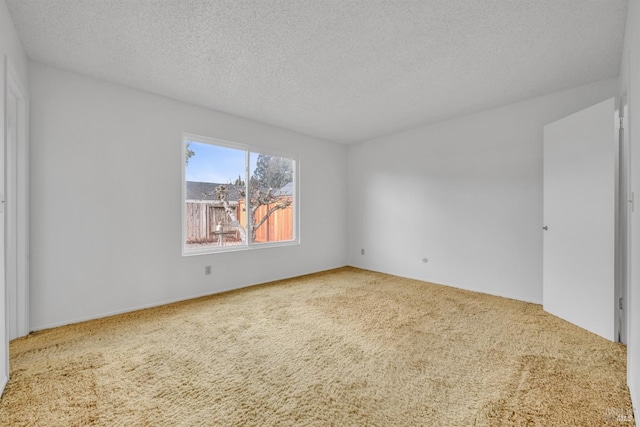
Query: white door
[[579, 218]]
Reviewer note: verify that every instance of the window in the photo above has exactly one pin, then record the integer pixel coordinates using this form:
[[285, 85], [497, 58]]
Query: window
[[236, 197]]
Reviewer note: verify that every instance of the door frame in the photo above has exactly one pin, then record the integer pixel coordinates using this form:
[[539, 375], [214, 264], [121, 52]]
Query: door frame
[[623, 225], [17, 204]]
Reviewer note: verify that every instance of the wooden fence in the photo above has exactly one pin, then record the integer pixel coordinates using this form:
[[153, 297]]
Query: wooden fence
[[279, 226], [203, 216]]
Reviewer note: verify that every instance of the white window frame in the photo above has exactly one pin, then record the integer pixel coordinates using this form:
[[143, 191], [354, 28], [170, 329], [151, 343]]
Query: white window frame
[[248, 149]]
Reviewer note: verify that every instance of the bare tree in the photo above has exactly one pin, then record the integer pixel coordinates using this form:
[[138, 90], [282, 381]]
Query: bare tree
[[222, 193], [257, 197]]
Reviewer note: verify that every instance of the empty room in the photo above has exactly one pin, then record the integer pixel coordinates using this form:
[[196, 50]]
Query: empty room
[[320, 213]]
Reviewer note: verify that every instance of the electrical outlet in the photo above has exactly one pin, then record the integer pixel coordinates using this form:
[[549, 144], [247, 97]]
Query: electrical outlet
[[207, 270], [361, 251], [425, 260]]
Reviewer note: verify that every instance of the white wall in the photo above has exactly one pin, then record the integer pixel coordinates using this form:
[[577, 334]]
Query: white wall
[[465, 193], [11, 52], [106, 201], [630, 84]]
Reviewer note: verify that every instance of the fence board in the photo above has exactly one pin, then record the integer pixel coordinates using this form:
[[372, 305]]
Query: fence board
[[279, 226], [202, 218]]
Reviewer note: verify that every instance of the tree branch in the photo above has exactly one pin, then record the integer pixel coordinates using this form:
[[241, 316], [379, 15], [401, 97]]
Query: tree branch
[[221, 194], [276, 207]]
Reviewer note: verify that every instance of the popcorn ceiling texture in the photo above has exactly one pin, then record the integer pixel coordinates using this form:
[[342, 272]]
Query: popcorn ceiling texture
[[345, 71]]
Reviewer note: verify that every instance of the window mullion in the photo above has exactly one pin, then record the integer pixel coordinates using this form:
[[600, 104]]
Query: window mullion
[[247, 196]]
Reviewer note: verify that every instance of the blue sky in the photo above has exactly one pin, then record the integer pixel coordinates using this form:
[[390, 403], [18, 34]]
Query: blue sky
[[216, 164]]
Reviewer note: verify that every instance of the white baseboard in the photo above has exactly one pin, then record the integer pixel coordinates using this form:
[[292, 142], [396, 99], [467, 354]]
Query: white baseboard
[[464, 288], [171, 301]]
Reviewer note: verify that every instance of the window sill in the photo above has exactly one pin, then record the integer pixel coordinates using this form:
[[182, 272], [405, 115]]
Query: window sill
[[207, 250]]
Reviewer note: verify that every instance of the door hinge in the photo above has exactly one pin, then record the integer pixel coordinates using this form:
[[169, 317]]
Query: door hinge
[[620, 304], [621, 122]]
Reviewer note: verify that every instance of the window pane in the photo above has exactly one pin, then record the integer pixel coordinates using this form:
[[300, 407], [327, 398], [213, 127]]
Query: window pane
[[215, 184], [271, 193]]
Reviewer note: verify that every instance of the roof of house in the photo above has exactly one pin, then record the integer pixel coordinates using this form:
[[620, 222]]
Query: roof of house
[[286, 190], [207, 191]]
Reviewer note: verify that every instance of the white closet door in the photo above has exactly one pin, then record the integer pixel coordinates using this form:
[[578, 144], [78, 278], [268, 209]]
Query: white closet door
[[579, 217]]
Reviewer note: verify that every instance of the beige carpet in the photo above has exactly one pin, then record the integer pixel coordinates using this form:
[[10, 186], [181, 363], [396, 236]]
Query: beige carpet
[[345, 347]]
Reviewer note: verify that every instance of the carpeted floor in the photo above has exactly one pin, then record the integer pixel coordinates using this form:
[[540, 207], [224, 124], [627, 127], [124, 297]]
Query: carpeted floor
[[345, 347]]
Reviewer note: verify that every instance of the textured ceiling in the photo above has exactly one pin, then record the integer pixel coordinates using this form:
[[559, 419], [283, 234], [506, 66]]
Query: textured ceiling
[[345, 71]]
